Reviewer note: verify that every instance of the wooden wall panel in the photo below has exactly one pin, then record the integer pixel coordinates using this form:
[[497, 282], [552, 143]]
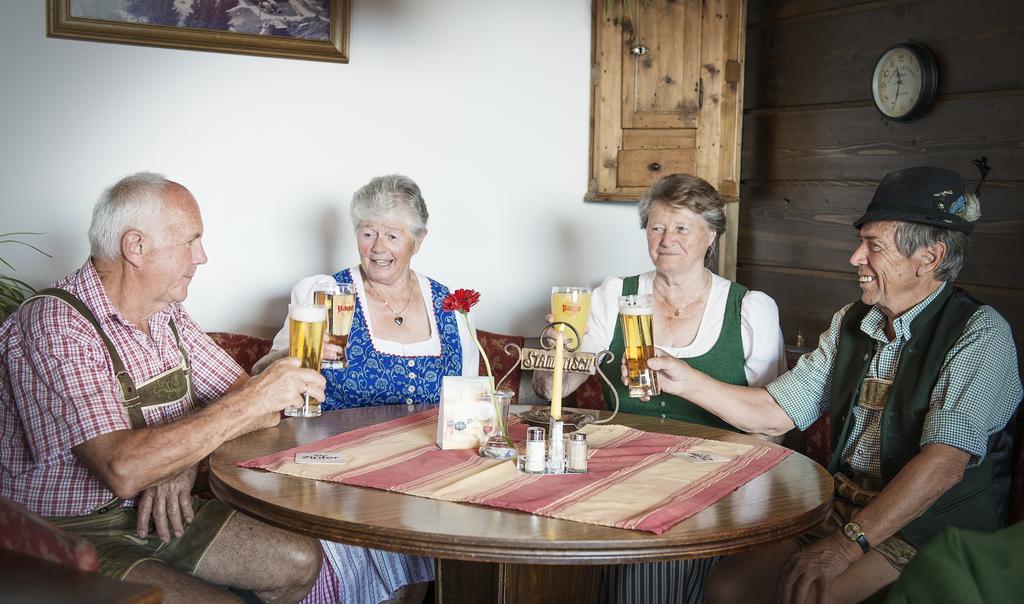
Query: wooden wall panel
[[855, 143], [784, 9], [828, 56], [814, 146]]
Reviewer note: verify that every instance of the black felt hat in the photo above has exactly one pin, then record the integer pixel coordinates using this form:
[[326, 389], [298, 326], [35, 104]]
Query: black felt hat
[[933, 196]]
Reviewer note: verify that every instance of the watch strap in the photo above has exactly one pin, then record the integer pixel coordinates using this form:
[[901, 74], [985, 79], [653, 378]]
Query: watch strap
[[853, 532], [862, 541]]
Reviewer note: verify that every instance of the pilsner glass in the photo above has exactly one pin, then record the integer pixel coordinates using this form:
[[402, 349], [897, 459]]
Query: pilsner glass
[[636, 315], [340, 300], [306, 325], [572, 305]]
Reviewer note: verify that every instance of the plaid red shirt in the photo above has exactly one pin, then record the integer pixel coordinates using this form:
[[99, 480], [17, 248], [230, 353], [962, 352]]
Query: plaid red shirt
[[57, 390]]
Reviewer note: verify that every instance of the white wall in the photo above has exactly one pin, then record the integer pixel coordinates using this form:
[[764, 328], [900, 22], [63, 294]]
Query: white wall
[[485, 103]]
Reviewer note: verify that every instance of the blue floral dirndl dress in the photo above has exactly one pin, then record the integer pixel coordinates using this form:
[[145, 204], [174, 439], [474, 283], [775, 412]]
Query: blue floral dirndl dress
[[375, 378]]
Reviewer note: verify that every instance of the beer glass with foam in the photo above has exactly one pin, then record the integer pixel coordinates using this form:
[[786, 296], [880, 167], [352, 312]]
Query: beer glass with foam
[[636, 314], [571, 304], [306, 326], [340, 300]]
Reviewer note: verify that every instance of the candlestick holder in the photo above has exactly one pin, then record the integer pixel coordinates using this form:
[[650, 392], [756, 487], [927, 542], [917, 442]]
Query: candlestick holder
[[573, 361]]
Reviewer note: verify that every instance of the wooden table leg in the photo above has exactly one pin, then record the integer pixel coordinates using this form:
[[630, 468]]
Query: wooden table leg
[[460, 582]]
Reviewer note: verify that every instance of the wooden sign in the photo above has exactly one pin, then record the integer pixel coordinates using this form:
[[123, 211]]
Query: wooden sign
[[544, 360]]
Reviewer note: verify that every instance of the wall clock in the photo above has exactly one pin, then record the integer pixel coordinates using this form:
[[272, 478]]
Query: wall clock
[[905, 81]]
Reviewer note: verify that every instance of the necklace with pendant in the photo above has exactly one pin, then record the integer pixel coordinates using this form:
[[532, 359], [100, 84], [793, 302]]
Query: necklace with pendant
[[398, 314], [676, 311]]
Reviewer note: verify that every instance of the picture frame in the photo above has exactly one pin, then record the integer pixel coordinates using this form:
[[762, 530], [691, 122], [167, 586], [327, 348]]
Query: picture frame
[[285, 29]]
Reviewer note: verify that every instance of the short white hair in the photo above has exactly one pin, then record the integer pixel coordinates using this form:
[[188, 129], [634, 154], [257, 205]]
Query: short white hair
[[134, 202], [386, 196]]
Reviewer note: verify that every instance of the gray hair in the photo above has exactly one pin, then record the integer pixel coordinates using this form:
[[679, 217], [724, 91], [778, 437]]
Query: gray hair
[[134, 202], [911, 236], [385, 196], [693, 193]]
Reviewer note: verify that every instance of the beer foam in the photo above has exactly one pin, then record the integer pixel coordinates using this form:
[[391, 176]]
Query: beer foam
[[307, 314], [636, 311]]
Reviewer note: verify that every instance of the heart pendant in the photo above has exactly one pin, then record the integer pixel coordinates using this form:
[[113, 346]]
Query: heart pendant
[[399, 321]]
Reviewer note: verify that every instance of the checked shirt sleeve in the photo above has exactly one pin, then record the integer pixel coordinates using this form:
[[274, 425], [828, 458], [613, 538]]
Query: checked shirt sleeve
[[978, 389], [804, 391]]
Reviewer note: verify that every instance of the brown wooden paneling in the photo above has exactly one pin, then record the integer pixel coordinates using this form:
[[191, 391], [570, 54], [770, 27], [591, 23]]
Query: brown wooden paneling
[[773, 10], [829, 56], [856, 143], [807, 299], [807, 225]]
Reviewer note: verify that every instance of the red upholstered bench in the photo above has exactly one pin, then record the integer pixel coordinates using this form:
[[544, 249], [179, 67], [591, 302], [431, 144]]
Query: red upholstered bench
[[24, 532]]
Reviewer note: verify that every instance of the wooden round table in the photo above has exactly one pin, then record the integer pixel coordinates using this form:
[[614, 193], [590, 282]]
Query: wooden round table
[[487, 554]]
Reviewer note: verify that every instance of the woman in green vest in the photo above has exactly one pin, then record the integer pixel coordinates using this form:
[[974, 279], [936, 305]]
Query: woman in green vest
[[717, 326]]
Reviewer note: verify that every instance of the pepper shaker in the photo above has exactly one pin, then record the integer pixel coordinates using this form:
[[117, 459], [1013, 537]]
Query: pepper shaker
[[577, 453]]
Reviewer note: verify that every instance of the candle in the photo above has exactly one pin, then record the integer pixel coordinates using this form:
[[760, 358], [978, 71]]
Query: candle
[[556, 381]]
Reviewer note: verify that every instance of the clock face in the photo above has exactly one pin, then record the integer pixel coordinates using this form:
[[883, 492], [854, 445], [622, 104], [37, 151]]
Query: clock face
[[897, 82], [905, 81]]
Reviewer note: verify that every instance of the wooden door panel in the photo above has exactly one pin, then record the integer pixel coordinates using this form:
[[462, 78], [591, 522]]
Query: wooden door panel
[[661, 88], [665, 138]]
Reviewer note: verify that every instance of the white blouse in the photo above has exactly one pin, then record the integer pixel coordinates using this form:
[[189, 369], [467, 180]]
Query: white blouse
[[764, 356], [302, 293]]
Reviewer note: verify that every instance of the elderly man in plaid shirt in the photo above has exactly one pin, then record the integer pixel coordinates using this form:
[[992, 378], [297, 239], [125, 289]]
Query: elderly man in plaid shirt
[[110, 395], [919, 381]]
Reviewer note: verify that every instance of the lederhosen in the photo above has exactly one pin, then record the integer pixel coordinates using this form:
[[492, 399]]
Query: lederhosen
[[166, 388]]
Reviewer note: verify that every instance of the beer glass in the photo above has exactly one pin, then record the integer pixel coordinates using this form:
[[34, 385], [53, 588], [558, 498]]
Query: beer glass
[[306, 325], [572, 305], [636, 314], [340, 300]]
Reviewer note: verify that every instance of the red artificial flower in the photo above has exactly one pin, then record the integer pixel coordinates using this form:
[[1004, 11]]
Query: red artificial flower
[[460, 300]]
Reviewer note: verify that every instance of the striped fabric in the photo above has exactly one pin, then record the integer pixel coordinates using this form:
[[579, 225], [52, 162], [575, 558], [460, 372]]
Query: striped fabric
[[676, 581], [358, 574], [636, 480]]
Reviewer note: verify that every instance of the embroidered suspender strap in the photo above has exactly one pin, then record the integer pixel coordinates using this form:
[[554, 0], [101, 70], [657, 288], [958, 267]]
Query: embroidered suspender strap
[[186, 366], [129, 395]]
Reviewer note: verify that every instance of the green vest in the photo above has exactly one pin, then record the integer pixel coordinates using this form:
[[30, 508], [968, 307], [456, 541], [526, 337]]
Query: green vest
[[978, 501], [724, 362]]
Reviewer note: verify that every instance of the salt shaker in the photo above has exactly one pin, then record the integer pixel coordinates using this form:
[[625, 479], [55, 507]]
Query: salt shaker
[[577, 453], [535, 450]]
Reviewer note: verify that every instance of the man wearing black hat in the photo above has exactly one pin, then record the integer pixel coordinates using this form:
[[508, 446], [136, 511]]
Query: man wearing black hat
[[919, 381]]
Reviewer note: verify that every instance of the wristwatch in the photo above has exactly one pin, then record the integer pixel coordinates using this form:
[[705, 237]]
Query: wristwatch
[[854, 533]]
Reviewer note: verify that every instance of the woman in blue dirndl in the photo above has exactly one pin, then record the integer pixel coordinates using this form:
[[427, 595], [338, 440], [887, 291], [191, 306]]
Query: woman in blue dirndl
[[401, 346]]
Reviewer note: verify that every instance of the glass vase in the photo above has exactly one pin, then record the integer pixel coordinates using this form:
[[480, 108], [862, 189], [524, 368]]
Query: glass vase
[[497, 445]]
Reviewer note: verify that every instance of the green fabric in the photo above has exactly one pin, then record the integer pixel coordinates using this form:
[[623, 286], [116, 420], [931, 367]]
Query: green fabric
[[972, 503], [119, 549], [965, 566], [724, 362]]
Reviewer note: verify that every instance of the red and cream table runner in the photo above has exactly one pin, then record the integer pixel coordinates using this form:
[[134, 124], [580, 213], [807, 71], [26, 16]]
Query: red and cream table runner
[[636, 480]]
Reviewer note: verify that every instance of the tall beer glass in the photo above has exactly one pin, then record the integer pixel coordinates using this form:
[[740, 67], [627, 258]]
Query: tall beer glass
[[340, 300], [571, 304], [306, 325], [636, 315]]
